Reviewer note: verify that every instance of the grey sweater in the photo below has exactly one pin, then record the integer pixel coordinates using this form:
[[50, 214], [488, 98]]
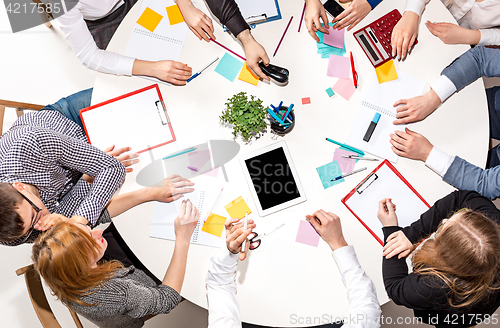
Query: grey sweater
[[126, 300]]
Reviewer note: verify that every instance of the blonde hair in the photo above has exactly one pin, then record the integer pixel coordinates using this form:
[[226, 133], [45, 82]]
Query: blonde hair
[[63, 257], [447, 3], [466, 256]]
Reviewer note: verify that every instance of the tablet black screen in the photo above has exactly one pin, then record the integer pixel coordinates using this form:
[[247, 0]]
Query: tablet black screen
[[272, 178]]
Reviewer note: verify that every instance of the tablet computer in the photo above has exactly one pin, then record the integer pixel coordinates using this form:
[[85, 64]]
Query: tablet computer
[[272, 178]]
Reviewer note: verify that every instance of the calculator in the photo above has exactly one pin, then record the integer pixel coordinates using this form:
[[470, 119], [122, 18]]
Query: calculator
[[375, 38]]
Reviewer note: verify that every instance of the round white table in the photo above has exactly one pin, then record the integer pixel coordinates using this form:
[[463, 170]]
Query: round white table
[[283, 280]]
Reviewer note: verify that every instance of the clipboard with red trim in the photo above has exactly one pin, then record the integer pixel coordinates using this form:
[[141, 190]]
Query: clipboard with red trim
[[384, 182], [137, 119]]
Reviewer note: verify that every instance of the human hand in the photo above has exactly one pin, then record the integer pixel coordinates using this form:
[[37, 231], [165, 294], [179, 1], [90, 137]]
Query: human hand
[[397, 243], [315, 11], [199, 23], [411, 145], [328, 227], [49, 220], [454, 34], [386, 213], [171, 71], [236, 234], [416, 108], [126, 159], [175, 188], [352, 15], [186, 221], [254, 53], [404, 34]]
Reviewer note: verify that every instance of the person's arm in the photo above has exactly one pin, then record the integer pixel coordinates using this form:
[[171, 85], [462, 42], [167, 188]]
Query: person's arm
[[361, 292], [229, 14], [489, 37], [175, 188], [199, 23], [354, 13]]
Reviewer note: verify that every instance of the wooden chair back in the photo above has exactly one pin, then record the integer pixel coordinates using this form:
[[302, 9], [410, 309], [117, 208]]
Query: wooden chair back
[[20, 107]]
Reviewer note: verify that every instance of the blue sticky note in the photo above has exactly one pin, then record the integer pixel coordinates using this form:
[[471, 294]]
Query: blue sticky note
[[325, 50], [330, 92], [328, 172], [229, 67]]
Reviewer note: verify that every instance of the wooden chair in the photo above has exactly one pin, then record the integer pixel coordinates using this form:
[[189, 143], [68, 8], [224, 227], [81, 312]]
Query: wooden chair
[[20, 107], [39, 300]]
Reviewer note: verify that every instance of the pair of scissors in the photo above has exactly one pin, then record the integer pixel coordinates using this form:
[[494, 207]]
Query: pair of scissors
[[255, 242]]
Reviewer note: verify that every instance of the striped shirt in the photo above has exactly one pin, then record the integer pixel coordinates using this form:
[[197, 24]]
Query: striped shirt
[[50, 152]]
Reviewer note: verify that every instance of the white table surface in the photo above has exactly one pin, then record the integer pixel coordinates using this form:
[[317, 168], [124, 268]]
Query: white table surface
[[284, 278]]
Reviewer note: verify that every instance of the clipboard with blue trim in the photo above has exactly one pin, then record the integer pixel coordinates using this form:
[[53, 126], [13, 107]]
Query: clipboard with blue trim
[[384, 182], [137, 119], [250, 10]]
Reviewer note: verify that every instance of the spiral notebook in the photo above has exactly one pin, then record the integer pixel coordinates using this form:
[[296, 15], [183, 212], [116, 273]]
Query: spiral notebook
[[156, 37], [380, 97], [162, 225]]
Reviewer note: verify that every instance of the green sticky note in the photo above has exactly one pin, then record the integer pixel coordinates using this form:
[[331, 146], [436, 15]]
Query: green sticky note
[[328, 172], [229, 67], [330, 92]]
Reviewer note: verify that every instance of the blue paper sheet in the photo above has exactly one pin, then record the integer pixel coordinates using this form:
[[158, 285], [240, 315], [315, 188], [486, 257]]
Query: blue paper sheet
[[328, 172], [325, 50], [229, 67]]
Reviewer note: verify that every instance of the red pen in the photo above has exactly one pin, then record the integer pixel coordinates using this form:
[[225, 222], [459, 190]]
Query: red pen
[[354, 74]]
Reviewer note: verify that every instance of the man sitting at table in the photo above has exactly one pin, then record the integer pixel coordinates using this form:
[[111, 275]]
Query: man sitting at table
[[476, 62], [49, 172], [223, 309]]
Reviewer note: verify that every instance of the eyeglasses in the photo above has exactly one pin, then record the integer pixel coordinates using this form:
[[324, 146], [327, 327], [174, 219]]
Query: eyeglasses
[[33, 221]]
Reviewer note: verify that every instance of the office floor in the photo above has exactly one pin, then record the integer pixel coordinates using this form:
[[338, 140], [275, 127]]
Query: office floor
[[37, 66]]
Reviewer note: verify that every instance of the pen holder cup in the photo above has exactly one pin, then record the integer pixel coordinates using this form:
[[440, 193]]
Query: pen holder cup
[[283, 130]]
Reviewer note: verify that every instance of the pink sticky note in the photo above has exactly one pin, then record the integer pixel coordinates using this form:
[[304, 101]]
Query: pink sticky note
[[335, 38], [213, 172], [307, 234], [306, 101], [338, 66], [345, 88], [346, 164]]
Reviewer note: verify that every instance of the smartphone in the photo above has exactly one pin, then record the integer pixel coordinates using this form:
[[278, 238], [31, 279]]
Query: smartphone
[[333, 7]]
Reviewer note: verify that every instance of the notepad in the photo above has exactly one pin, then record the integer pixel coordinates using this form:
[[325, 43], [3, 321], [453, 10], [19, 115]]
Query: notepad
[[149, 19], [247, 75], [386, 72], [307, 234], [381, 98], [214, 224], [335, 38], [174, 15], [345, 88], [229, 67], [237, 209], [328, 172], [338, 66]]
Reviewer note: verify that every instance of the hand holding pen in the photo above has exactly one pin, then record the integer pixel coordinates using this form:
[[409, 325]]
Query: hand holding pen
[[236, 235], [328, 226]]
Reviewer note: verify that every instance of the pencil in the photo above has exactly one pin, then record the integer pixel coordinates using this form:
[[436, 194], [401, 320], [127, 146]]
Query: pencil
[[302, 16], [234, 53], [286, 29]]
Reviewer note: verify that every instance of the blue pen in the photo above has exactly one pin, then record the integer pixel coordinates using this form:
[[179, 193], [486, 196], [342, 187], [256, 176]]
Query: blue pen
[[204, 68], [179, 153], [273, 115], [347, 147], [288, 111], [348, 174], [279, 106]]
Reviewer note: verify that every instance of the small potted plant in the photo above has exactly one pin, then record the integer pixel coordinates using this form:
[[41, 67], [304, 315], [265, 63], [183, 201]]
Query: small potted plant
[[247, 116]]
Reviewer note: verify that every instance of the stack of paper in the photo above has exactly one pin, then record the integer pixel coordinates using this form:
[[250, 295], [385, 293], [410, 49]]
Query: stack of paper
[[336, 38]]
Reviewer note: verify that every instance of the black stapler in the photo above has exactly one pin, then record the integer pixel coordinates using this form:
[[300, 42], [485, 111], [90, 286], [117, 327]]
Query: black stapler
[[279, 74]]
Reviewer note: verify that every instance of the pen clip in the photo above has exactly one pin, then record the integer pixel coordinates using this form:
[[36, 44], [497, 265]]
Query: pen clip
[[363, 185], [164, 118]]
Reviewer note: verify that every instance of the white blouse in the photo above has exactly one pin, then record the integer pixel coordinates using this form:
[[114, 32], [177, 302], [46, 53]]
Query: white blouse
[[81, 41], [483, 16]]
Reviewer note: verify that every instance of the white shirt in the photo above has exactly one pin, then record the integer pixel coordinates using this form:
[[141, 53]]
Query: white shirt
[[439, 161], [81, 41], [223, 308], [483, 16]]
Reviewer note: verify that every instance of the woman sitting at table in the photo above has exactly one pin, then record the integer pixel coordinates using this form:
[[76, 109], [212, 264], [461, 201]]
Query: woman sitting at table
[[90, 24], [478, 22], [68, 257], [456, 271]]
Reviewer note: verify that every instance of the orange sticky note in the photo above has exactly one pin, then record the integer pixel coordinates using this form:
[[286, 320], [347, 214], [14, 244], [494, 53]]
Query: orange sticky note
[[306, 100], [174, 15], [214, 224], [386, 72], [237, 209], [247, 75], [149, 19]]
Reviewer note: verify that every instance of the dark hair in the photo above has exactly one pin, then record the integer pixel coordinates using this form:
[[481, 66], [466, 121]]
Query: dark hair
[[11, 224], [465, 256]]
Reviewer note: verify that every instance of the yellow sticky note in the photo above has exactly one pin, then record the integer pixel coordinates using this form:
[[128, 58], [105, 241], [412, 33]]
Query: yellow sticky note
[[214, 224], [247, 75], [386, 72], [174, 15], [149, 19], [237, 208]]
